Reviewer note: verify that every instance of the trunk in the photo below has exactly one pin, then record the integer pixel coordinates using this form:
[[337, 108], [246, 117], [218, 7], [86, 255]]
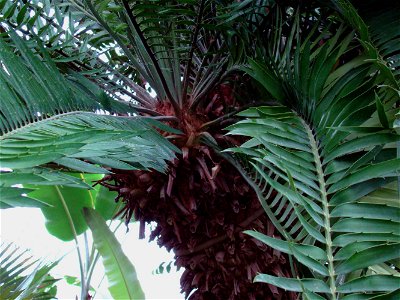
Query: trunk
[[201, 207]]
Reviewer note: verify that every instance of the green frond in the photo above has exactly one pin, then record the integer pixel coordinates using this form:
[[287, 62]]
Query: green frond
[[21, 277], [75, 42], [12, 196], [115, 142], [379, 30], [307, 207], [181, 49], [33, 89], [168, 44], [50, 119], [319, 152], [85, 142]]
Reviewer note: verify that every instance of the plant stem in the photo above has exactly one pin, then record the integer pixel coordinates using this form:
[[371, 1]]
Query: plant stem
[[325, 204], [87, 263], [71, 224]]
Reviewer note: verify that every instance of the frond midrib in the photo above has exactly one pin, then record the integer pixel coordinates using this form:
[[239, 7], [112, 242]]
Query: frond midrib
[[38, 122], [324, 200]]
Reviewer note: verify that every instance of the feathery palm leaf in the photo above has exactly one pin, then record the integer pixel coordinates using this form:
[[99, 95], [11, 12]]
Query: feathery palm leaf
[[47, 118], [174, 47], [322, 152], [76, 42], [179, 49], [14, 285], [379, 31]]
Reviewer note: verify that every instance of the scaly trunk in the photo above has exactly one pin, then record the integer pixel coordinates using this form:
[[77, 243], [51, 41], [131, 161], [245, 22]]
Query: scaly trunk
[[201, 207]]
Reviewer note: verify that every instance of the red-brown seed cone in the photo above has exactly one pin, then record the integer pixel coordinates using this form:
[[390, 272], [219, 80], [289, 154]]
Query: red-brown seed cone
[[201, 207], [201, 218]]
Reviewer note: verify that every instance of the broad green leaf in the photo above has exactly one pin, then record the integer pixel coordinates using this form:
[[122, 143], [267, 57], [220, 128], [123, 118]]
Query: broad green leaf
[[73, 280], [121, 274], [64, 218], [105, 203]]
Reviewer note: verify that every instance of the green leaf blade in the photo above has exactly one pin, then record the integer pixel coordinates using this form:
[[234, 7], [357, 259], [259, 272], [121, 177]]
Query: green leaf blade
[[121, 274]]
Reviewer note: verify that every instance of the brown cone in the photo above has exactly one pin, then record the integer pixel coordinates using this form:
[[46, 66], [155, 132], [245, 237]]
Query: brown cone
[[201, 208]]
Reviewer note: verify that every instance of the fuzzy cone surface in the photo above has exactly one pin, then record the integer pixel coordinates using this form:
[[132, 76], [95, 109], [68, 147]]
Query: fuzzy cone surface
[[201, 207]]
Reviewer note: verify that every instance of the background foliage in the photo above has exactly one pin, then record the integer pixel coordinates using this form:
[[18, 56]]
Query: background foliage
[[75, 76]]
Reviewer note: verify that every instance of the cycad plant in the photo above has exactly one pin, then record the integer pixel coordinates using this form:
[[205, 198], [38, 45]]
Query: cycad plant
[[181, 52], [78, 79]]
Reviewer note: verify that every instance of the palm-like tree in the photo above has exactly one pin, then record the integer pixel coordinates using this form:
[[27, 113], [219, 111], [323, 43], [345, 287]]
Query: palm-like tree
[[78, 111], [202, 204]]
